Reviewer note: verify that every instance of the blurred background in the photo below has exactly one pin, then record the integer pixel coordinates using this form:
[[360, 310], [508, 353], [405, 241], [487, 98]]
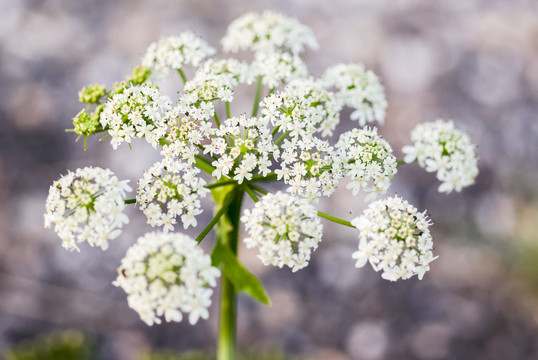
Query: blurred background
[[470, 60]]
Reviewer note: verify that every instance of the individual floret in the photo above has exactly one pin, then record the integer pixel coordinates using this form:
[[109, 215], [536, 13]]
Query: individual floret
[[171, 189], [268, 32], [358, 89], [285, 229], [174, 52], [440, 147], [87, 205], [167, 275], [394, 238], [136, 111], [368, 160]]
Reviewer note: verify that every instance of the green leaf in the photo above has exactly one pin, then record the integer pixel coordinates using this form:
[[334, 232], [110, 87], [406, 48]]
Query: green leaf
[[238, 275]]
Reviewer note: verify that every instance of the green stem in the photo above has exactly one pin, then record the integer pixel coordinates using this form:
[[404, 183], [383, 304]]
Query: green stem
[[282, 137], [228, 234], [400, 162], [129, 201], [183, 77], [220, 183], [204, 164], [217, 121], [251, 193], [269, 177], [335, 219], [258, 189], [257, 97], [215, 219], [228, 112]]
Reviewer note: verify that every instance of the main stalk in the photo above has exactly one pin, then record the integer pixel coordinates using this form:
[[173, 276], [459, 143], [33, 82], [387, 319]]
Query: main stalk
[[228, 234]]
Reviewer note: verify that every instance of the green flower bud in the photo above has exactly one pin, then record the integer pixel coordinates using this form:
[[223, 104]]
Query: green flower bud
[[87, 123], [91, 94], [139, 76]]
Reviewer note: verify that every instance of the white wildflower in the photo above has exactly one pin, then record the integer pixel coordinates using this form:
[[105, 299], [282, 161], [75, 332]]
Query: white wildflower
[[440, 147], [394, 238], [278, 68], [174, 52], [171, 189], [251, 152], [358, 89], [285, 229], [167, 275], [268, 32], [304, 107], [87, 205], [136, 111], [214, 80], [367, 159]]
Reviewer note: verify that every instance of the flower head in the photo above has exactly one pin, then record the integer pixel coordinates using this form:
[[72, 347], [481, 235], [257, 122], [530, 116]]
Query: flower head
[[268, 32], [171, 189], [87, 206], [136, 111], [251, 152], [367, 159], [303, 108], [440, 147], [285, 229], [360, 90], [214, 80], [278, 68], [395, 239], [167, 275], [308, 166], [174, 52]]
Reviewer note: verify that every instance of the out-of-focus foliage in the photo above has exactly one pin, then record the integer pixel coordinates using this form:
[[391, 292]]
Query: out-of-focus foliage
[[247, 354], [68, 345]]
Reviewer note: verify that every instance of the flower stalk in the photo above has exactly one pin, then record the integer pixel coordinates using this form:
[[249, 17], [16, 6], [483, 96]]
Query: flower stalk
[[228, 235]]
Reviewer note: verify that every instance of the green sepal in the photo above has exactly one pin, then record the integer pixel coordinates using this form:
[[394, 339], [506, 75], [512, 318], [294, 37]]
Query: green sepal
[[239, 276]]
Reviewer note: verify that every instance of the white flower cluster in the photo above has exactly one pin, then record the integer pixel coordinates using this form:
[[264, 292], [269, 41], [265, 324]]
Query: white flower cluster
[[360, 90], [367, 159], [268, 32], [285, 229], [307, 167], [167, 275], [214, 80], [251, 149], [87, 205], [185, 137], [440, 147], [278, 68], [395, 239], [170, 189], [303, 108], [172, 53], [137, 111]]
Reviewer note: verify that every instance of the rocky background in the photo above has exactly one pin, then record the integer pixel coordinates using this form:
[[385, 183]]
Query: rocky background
[[471, 60]]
